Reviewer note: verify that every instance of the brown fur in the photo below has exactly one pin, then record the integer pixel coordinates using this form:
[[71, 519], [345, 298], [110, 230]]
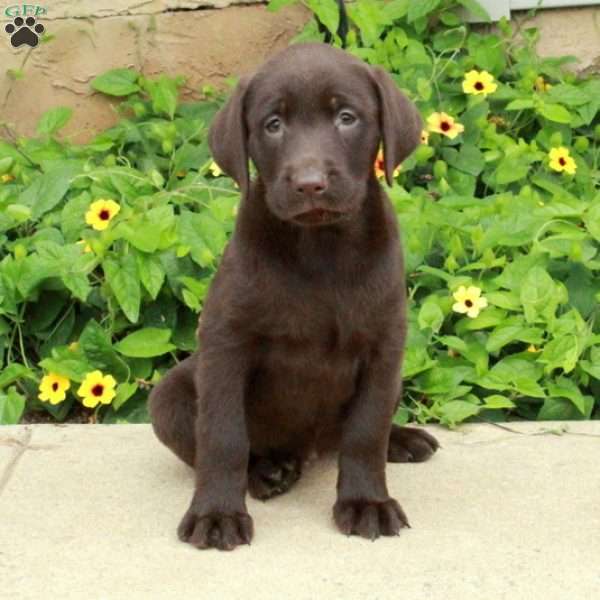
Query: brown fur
[[302, 331]]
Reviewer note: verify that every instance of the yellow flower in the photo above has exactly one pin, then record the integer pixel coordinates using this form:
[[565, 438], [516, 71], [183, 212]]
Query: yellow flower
[[215, 169], [444, 124], [561, 160], [97, 387], [424, 136], [53, 388], [86, 248], [469, 300], [540, 84], [479, 82], [100, 213], [6, 178], [532, 348], [380, 166]]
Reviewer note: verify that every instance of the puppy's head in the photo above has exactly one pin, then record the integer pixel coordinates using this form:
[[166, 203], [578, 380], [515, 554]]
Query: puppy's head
[[312, 119]]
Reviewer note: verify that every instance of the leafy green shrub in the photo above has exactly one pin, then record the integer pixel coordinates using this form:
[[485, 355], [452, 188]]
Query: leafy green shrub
[[501, 248], [106, 252], [502, 199]]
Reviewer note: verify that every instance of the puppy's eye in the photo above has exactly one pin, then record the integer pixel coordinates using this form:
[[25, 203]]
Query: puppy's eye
[[345, 118], [273, 125]]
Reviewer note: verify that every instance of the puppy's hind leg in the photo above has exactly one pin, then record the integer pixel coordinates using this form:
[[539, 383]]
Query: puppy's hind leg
[[172, 407]]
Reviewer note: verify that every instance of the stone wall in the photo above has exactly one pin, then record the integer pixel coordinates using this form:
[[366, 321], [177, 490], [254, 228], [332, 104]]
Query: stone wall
[[190, 37]]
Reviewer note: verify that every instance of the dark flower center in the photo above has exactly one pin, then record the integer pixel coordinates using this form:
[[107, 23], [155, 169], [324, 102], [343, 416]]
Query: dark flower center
[[54, 386], [104, 215], [479, 86], [444, 126], [562, 161], [468, 303], [98, 389]]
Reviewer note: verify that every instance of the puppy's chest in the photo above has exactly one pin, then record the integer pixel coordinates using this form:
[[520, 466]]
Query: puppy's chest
[[323, 343]]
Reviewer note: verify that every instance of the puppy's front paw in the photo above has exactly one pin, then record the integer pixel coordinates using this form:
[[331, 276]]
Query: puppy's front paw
[[368, 518], [219, 530]]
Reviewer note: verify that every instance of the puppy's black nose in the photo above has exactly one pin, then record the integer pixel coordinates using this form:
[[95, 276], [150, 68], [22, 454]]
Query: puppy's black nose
[[310, 182]]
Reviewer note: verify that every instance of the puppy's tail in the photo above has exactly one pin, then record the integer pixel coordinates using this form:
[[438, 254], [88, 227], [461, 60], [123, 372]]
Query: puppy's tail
[[342, 31]]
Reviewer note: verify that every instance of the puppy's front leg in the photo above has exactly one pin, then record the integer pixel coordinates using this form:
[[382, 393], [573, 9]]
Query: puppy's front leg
[[363, 504], [217, 516]]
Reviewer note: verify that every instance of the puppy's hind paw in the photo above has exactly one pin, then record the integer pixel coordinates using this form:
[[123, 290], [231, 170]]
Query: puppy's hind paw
[[408, 444], [272, 476]]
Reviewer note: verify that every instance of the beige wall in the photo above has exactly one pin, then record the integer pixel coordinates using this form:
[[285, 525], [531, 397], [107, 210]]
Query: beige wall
[[207, 45]]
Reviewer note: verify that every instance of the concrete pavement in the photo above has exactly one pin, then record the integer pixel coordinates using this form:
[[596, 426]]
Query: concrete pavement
[[90, 512]]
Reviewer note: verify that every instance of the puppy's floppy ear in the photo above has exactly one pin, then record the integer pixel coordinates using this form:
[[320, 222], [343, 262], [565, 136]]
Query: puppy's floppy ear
[[400, 122], [228, 137]]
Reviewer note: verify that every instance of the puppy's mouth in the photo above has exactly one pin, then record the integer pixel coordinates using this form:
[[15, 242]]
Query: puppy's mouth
[[319, 216]]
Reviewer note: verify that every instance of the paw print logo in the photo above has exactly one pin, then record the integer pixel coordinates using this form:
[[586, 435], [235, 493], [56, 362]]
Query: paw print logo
[[24, 32]]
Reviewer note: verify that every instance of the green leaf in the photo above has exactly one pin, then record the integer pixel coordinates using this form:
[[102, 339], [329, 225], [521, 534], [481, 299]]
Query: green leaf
[[592, 219], [123, 279], [454, 342], [145, 343], [416, 360], [590, 368], [275, 5], [124, 393], [327, 12], [72, 219], [506, 333], [565, 388], [476, 9], [19, 212], [96, 345], [74, 368], [203, 234], [151, 272], [47, 190], [163, 92], [134, 411], [441, 380], [568, 94], [117, 82], [394, 10], [53, 120], [469, 159], [431, 316], [422, 8], [555, 112], [456, 411], [560, 409], [561, 352], [190, 156], [12, 373], [12, 406], [520, 104], [496, 401], [538, 292], [511, 168], [487, 52]]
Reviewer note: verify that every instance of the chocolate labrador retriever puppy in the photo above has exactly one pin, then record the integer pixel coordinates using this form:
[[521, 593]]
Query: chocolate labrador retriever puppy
[[302, 332]]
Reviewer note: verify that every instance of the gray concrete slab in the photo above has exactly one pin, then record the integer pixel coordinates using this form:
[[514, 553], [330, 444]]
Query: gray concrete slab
[[90, 512], [13, 442]]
